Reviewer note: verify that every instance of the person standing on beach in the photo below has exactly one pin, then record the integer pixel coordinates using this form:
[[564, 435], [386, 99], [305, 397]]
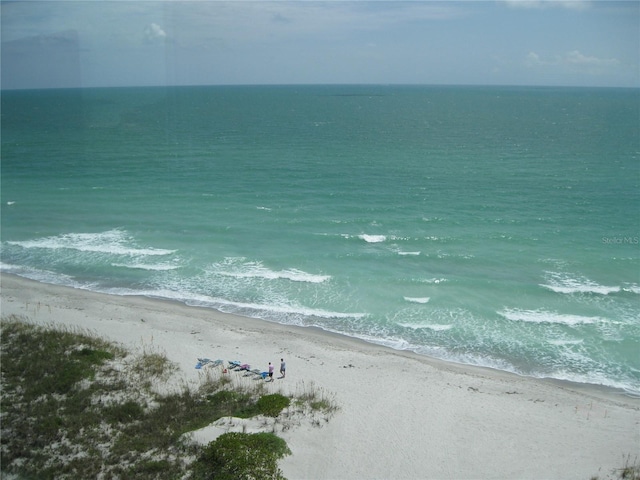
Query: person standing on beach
[[282, 367], [270, 372]]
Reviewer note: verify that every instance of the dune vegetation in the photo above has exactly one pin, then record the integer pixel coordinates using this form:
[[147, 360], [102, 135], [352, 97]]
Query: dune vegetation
[[76, 406]]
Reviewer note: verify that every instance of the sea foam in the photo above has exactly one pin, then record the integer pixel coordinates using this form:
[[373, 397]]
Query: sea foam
[[416, 299], [275, 312], [151, 267], [544, 316], [238, 268], [373, 238], [565, 283], [115, 242], [429, 326]]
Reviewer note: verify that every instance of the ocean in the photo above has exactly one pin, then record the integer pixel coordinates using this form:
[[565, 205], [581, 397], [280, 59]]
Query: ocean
[[491, 226]]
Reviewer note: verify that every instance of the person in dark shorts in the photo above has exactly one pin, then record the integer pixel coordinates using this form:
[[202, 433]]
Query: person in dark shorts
[[283, 367]]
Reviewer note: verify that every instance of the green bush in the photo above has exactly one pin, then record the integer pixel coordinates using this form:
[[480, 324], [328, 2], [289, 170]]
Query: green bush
[[126, 412], [272, 405], [242, 456], [229, 401]]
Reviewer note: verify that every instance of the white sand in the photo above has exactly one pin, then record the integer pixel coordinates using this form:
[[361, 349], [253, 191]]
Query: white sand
[[402, 416]]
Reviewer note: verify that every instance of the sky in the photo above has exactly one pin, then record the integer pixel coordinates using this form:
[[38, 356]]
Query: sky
[[94, 43]]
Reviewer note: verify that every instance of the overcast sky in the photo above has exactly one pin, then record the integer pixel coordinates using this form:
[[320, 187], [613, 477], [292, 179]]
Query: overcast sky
[[122, 43]]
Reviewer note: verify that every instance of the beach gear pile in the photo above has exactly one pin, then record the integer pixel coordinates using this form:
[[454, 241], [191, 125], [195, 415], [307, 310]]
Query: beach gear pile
[[234, 365]]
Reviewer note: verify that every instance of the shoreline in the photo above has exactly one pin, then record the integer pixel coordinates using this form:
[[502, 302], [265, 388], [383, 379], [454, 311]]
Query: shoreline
[[598, 389], [403, 415]]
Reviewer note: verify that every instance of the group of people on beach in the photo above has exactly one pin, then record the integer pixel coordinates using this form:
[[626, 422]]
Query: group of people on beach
[[283, 368]]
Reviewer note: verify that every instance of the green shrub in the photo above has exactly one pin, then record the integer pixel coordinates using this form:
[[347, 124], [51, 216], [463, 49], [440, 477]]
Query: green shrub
[[272, 405], [229, 401], [126, 412], [242, 456], [150, 468], [92, 356]]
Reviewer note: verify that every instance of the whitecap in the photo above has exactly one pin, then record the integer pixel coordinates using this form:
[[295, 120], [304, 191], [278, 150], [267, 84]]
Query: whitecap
[[417, 299], [142, 266], [115, 242], [599, 289], [435, 281], [567, 284], [560, 342], [372, 238], [237, 268], [632, 288], [429, 326], [544, 316], [439, 328], [296, 275], [409, 253], [10, 203]]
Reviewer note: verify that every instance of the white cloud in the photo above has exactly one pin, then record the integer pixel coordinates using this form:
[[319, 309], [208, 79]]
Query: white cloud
[[153, 32], [533, 59], [529, 4], [573, 62], [577, 58]]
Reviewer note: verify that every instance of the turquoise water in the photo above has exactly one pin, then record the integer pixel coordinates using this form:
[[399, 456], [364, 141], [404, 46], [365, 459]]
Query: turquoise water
[[491, 226]]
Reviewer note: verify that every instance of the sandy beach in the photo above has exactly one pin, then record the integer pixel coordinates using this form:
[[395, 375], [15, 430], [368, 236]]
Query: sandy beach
[[402, 416]]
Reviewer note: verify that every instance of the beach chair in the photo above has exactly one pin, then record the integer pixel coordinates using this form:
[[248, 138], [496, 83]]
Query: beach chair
[[233, 364]]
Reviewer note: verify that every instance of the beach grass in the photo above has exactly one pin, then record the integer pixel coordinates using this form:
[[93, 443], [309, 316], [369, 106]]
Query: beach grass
[[76, 406], [629, 471]]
